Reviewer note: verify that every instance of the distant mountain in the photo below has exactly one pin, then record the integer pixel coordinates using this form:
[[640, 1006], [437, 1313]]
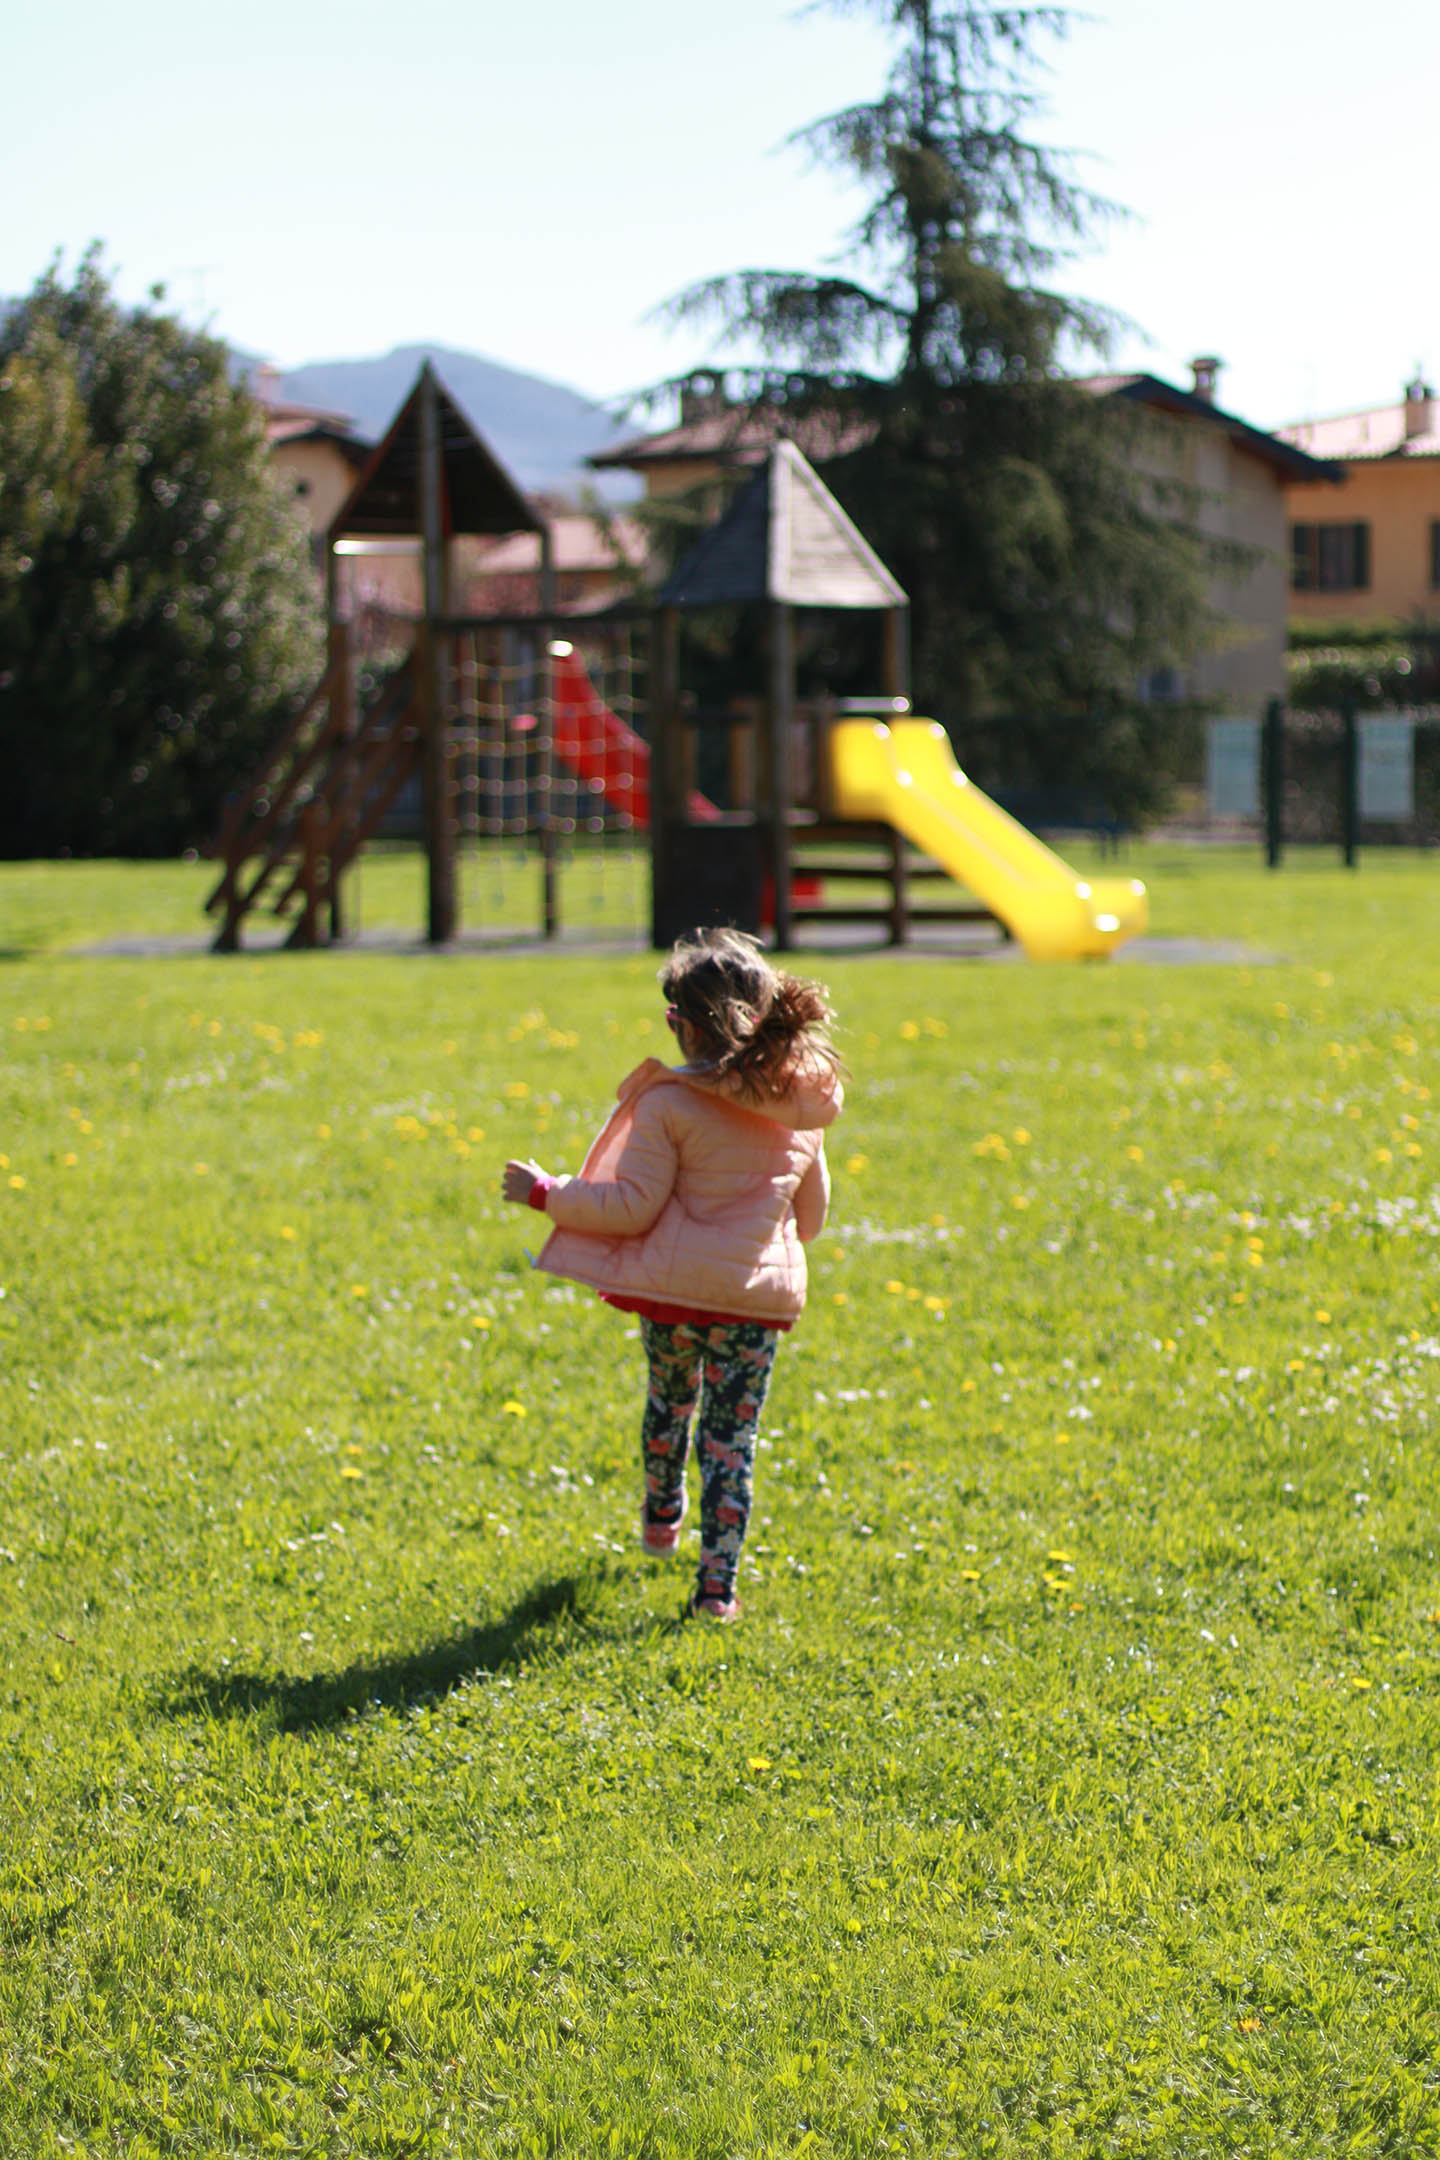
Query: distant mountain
[[541, 431]]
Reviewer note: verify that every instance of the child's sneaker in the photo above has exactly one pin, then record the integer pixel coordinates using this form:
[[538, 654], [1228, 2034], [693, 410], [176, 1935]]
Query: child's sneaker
[[713, 1608], [661, 1537]]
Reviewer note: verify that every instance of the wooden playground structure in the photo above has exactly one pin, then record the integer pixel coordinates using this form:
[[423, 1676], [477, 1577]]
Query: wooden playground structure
[[550, 725]]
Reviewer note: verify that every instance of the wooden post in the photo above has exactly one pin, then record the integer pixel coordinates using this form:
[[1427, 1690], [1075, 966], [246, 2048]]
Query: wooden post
[[545, 690], [782, 718], [897, 652], [899, 895], [897, 685], [429, 655], [1349, 784], [342, 704], [1272, 773], [664, 716], [307, 928]]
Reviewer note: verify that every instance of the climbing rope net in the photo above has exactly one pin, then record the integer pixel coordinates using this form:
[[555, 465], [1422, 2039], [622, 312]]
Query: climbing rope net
[[549, 756]]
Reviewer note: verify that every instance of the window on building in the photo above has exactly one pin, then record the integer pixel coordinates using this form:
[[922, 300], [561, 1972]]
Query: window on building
[[1330, 558]]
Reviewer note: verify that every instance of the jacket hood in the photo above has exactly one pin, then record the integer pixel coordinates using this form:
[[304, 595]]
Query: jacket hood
[[811, 1099]]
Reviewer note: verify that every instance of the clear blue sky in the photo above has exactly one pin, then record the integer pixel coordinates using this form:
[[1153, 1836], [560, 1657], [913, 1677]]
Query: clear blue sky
[[318, 180]]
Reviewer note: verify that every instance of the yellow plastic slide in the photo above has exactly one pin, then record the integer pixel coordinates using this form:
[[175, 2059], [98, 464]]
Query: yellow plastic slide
[[906, 774]]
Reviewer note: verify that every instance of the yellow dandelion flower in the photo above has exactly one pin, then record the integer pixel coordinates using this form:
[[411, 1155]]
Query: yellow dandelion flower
[[1060, 1555], [479, 1320], [1169, 1343], [359, 1289], [856, 1163], [896, 1289], [914, 1295], [1250, 2024], [937, 1222], [517, 1090], [475, 1135], [1135, 1154], [1357, 1682], [287, 1232], [841, 1297], [1383, 1155], [1239, 1297], [1323, 1317], [908, 1031], [17, 1184], [937, 1304], [1020, 1136], [513, 1409], [449, 1048], [969, 1574], [644, 1027], [202, 1169], [757, 1762], [1296, 1364], [1255, 1259], [351, 1470], [322, 1132], [1063, 1439], [967, 1387], [70, 1161], [1413, 1147], [1019, 1200]]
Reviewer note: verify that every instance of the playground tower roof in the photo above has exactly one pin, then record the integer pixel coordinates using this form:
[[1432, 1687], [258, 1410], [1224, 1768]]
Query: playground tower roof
[[478, 494], [783, 538]]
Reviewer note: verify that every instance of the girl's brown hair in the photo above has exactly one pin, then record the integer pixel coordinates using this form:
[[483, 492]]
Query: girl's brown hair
[[745, 1018]]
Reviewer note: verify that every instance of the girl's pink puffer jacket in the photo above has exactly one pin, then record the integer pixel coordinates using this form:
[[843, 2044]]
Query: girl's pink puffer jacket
[[693, 1198]]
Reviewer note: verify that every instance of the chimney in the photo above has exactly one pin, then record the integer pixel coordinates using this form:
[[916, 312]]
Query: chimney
[[265, 382], [1419, 407], [1206, 371], [702, 397]]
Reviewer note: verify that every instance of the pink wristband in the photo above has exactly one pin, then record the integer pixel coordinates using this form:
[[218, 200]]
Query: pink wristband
[[536, 1196]]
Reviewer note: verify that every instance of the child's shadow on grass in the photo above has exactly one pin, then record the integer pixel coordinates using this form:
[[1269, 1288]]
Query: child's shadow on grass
[[548, 1621]]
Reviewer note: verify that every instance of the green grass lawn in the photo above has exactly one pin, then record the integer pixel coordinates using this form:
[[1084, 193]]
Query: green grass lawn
[[1068, 1787]]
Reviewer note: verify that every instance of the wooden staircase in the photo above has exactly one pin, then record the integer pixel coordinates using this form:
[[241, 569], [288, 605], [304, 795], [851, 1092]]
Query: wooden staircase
[[290, 835]]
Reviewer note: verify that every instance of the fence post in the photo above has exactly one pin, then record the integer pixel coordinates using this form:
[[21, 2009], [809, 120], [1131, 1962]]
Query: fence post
[[1272, 765], [1349, 784]]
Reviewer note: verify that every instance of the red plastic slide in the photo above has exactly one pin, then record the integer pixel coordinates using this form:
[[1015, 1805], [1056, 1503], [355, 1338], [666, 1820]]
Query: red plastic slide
[[597, 745]]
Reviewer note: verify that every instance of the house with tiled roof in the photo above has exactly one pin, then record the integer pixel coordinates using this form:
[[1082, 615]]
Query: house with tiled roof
[[1242, 478], [1374, 555], [316, 454], [717, 442]]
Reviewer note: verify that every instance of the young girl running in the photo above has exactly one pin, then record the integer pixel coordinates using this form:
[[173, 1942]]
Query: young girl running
[[692, 1210]]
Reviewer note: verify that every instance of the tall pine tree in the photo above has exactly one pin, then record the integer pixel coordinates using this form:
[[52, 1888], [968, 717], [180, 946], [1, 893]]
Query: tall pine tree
[[1051, 564]]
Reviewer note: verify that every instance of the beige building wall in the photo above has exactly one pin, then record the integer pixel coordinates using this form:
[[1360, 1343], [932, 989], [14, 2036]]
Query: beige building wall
[[1241, 499], [1399, 499], [318, 475], [1245, 503]]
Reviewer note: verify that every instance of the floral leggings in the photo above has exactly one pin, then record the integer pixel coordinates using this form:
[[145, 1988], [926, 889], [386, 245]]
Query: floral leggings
[[731, 1362]]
